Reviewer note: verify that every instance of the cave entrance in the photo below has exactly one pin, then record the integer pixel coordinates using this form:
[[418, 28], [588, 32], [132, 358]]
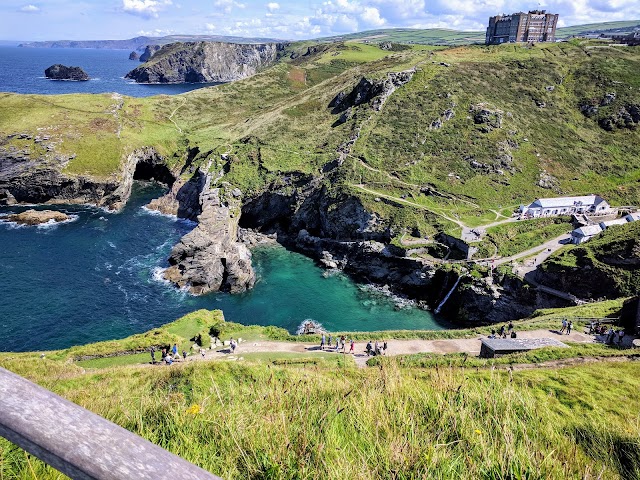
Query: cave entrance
[[148, 170]]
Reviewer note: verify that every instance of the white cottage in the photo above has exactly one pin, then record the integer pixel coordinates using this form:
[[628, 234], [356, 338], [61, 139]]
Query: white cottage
[[582, 234], [547, 207], [632, 217]]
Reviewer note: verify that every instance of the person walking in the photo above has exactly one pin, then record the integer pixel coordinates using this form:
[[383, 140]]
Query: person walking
[[501, 332], [337, 344], [329, 342], [232, 344], [174, 350], [352, 347], [342, 342], [564, 325], [184, 355], [620, 336], [384, 347], [322, 339], [153, 355], [569, 327], [369, 348]]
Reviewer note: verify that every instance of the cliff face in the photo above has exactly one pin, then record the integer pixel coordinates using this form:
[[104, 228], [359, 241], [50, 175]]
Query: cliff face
[[205, 62]]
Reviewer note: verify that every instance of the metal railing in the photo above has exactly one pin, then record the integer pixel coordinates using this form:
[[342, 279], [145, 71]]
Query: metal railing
[[80, 443]]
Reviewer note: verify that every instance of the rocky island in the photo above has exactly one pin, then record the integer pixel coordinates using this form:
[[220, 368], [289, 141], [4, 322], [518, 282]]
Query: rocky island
[[204, 62], [36, 217], [62, 72]]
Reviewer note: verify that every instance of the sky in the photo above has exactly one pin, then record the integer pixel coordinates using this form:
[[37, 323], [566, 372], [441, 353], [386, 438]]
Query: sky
[[33, 20]]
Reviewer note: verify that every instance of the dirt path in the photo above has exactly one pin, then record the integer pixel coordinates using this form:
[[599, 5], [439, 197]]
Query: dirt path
[[396, 347]]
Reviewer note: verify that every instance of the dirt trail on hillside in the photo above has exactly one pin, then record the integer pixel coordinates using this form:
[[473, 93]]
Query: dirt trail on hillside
[[396, 347]]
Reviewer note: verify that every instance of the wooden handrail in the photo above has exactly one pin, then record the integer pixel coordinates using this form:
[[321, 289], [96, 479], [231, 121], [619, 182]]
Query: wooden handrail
[[80, 443]]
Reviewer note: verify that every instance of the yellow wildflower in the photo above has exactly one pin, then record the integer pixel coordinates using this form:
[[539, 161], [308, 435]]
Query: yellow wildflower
[[479, 432], [194, 409]]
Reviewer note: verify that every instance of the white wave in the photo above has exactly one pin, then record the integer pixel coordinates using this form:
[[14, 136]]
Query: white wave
[[400, 302], [53, 224], [317, 326], [111, 244], [108, 265], [156, 213]]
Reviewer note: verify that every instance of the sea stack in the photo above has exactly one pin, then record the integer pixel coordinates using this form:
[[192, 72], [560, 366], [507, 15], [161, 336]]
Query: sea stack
[[62, 72], [134, 56]]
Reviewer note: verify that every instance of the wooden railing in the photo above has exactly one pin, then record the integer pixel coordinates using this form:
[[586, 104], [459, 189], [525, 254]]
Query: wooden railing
[[80, 443]]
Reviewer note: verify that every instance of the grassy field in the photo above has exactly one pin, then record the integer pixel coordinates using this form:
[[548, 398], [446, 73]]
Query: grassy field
[[328, 421]]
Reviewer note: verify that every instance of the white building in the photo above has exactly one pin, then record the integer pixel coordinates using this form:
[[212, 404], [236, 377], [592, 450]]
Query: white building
[[582, 234], [547, 207]]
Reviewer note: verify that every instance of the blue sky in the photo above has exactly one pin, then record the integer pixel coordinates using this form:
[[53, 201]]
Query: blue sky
[[284, 19]]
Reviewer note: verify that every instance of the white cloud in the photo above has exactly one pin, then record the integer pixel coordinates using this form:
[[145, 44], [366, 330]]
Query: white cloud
[[145, 8], [228, 5], [29, 9], [209, 27], [157, 32], [273, 6]]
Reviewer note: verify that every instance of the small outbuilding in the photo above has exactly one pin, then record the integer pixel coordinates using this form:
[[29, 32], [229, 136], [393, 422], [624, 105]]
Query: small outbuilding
[[496, 347], [582, 234]]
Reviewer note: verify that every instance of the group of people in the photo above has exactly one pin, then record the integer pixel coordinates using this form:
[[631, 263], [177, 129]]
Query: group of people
[[504, 331], [567, 326], [375, 349], [341, 344], [168, 355]]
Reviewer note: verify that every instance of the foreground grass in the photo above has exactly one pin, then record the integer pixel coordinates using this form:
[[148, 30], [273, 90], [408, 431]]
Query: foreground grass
[[259, 421]]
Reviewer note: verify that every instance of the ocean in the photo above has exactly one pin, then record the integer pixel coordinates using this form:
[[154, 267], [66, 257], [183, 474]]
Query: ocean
[[22, 71], [98, 277]]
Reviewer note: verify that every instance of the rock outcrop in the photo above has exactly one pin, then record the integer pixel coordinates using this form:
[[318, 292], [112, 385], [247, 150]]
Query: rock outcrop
[[134, 56], [149, 51], [36, 217], [210, 258], [62, 72], [205, 62], [374, 91]]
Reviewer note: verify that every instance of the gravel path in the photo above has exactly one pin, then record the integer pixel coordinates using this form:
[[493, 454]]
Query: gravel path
[[396, 347]]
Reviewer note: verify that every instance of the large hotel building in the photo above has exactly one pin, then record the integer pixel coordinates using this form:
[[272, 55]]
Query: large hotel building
[[535, 26]]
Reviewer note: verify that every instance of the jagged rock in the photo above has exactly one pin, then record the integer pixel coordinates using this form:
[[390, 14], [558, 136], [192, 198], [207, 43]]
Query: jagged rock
[[374, 91], [62, 72], [149, 51], [134, 56], [550, 88], [540, 104], [6, 198], [608, 99], [548, 181], [204, 62], [36, 217], [627, 117], [436, 124], [210, 258], [589, 110], [183, 200], [489, 119]]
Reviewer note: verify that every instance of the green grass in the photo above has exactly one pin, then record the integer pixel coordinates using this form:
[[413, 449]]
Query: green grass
[[541, 355], [242, 420], [515, 237]]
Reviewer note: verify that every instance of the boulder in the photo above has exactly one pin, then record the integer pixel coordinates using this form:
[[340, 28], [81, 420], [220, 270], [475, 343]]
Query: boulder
[[36, 217], [62, 72]]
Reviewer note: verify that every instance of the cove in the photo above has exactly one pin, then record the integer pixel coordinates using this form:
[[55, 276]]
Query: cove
[[97, 278]]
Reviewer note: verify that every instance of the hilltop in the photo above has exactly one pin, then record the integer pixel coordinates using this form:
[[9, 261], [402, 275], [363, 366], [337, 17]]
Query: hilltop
[[356, 154]]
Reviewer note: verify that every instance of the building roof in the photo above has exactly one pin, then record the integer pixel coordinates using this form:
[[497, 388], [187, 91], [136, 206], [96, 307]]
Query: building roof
[[633, 217], [557, 202], [587, 231], [617, 221], [521, 343]]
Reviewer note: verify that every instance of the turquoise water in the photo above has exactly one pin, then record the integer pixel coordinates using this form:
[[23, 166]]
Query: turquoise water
[[97, 278]]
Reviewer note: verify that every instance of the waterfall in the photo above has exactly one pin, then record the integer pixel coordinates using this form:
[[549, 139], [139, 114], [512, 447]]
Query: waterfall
[[446, 297]]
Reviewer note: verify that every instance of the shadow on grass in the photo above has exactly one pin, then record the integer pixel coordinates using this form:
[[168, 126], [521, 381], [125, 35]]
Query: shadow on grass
[[614, 450]]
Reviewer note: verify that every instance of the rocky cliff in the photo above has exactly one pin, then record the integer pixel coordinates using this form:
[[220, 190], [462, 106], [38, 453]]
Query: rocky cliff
[[205, 62], [210, 258]]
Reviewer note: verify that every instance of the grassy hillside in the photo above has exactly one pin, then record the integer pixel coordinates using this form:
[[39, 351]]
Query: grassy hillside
[[278, 123], [252, 420], [612, 259], [444, 36]]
